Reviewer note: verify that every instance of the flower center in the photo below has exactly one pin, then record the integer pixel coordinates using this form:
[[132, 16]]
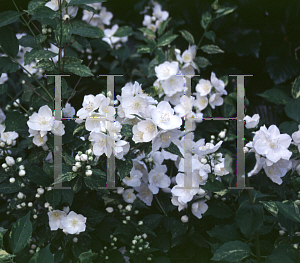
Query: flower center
[[165, 117], [165, 137], [55, 216], [150, 127], [74, 222]]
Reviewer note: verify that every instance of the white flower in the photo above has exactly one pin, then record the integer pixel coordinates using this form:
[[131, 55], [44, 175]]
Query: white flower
[[7, 137], [296, 137], [147, 20], [144, 193], [203, 87], [215, 100], [186, 188], [109, 38], [201, 149], [102, 143], [135, 178], [3, 78], [199, 208], [148, 128], [184, 219], [109, 209], [133, 105], [278, 170], [166, 70], [55, 218], [164, 138], [173, 84], [106, 110], [163, 116], [271, 144], [2, 116], [218, 84], [129, 196], [68, 111], [219, 169], [121, 148], [158, 178], [73, 223], [185, 106], [158, 13], [9, 160], [94, 121], [58, 128], [200, 102], [38, 140], [54, 5], [175, 202], [105, 16], [90, 103], [41, 121], [251, 122]]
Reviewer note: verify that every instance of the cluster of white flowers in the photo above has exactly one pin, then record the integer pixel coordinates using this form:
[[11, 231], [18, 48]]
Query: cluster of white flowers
[[82, 159], [104, 131], [42, 122], [271, 150], [70, 223]]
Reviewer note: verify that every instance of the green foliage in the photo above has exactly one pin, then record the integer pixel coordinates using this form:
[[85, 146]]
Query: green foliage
[[43, 256], [211, 49], [292, 109], [9, 42], [275, 95], [9, 17]]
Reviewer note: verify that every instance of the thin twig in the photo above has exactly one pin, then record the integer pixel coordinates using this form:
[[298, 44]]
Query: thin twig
[[32, 23], [90, 20], [18, 103], [32, 88], [160, 205], [77, 84]]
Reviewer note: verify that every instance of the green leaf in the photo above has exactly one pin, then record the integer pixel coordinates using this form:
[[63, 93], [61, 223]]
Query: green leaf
[[40, 38], [79, 2], [224, 11], [35, 3], [233, 251], [42, 12], [165, 39], [65, 177], [9, 17], [3, 89], [9, 42], [210, 35], [36, 54], [87, 257], [87, 31], [211, 49], [124, 31], [20, 234], [219, 210], [173, 148], [7, 66], [16, 121], [224, 233], [296, 88], [206, 18], [289, 210], [143, 49], [292, 109], [249, 218], [4, 256], [187, 36], [147, 31], [62, 34], [202, 62], [37, 175], [127, 130], [282, 69], [80, 70], [163, 26], [8, 188], [46, 65], [161, 259], [88, 8], [53, 197], [28, 41], [214, 186], [288, 127], [124, 167], [43, 256], [97, 179], [152, 221], [274, 95]]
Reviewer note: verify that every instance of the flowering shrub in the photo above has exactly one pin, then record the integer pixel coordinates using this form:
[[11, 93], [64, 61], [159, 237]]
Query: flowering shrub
[[160, 209]]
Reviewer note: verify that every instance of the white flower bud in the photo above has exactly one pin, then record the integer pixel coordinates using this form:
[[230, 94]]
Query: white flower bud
[[2, 144], [19, 206], [88, 167], [34, 216], [77, 158], [40, 191], [88, 173], [246, 149], [212, 137], [128, 208], [19, 159], [83, 157], [37, 196], [33, 246], [203, 160], [10, 161], [90, 158], [46, 205], [115, 239], [75, 239], [78, 164], [65, 17], [89, 152], [120, 190], [12, 180], [207, 197], [22, 185], [281, 232], [124, 222], [120, 206], [20, 195], [144, 236], [109, 209], [44, 31], [184, 219], [127, 218], [29, 204], [222, 134], [23, 204], [31, 251], [79, 153], [22, 173], [4, 165], [140, 223], [22, 167]]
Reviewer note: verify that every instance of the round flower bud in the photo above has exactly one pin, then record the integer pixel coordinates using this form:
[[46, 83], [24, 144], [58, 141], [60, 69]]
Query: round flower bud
[[124, 222], [203, 160], [34, 216], [49, 30], [22, 167], [77, 158], [222, 134], [78, 164], [19, 206], [127, 218], [4, 165], [212, 137], [23, 204], [46, 205], [75, 239], [89, 152], [74, 169], [149, 259], [40, 191], [12, 180], [22, 172], [31, 251], [79, 153], [115, 239], [83, 157], [140, 223], [136, 212], [281, 232], [88, 167], [29, 204], [131, 251], [66, 17], [88, 173], [2, 144], [19, 159], [140, 248], [207, 197], [22, 185], [105, 247], [120, 190], [90, 158], [33, 246], [216, 196], [120, 206], [44, 31], [128, 208], [112, 244], [246, 149], [184, 219], [20, 195], [10, 160], [37, 196], [109, 209]]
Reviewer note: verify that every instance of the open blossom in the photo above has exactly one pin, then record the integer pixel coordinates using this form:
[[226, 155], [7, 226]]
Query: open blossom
[[144, 193], [42, 121], [73, 223], [296, 138], [271, 144], [203, 87], [164, 138], [201, 148], [199, 208], [173, 85], [218, 84], [129, 196], [185, 107], [148, 128], [90, 104], [166, 70], [55, 218], [68, 111], [158, 13], [215, 100], [158, 178], [102, 143], [7, 137], [133, 105], [251, 122], [276, 171], [134, 179]]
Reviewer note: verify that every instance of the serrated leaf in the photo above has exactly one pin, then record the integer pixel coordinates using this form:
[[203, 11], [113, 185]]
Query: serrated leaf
[[80, 70], [211, 49], [124, 31], [65, 177], [173, 148], [9, 17], [187, 36], [206, 18], [165, 39], [20, 234], [233, 251], [292, 109], [9, 42], [202, 62], [36, 54], [40, 38], [147, 31], [296, 88]]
